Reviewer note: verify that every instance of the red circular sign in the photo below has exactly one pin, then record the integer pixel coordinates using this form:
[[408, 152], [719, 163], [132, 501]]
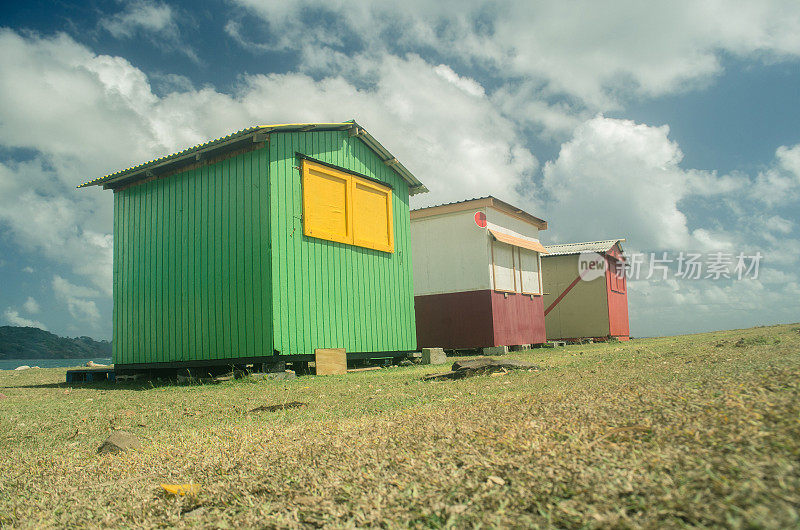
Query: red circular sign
[[480, 219]]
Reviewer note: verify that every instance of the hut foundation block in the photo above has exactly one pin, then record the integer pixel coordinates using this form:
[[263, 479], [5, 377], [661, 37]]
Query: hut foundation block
[[496, 350], [433, 356]]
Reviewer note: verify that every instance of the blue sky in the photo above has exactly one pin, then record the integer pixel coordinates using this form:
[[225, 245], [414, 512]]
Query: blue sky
[[623, 120]]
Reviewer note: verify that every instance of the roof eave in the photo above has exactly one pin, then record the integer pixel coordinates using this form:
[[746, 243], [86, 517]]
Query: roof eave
[[220, 145], [136, 173], [480, 202], [415, 186]]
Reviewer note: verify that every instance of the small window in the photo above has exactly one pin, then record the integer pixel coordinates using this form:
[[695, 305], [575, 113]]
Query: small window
[[515, 269], [342, 207], [503, 267], [529, 271], [617, 275]]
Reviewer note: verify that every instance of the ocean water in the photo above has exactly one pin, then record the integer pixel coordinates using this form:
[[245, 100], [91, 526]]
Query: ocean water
[[10, 364]]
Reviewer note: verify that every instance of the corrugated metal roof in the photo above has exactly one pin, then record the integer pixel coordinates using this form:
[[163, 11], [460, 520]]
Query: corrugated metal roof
[[145, 169], [488, 200], [577, 248], [454, 202]]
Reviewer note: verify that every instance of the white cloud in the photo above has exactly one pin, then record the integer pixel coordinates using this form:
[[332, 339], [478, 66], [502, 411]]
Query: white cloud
[[664, 308], [152, 19], [780, 183], [31, 305], [234, 30], [166, 83], [617, 178], [467, 85], [64, 289], [28, 269], [77, 300], [51, 84], [549, 121], [776, 224], [13, 318], [594, 51], [59, 227]]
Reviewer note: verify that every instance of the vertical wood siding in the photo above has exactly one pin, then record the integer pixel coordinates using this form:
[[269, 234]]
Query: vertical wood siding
[[328, 294], [192, 265]]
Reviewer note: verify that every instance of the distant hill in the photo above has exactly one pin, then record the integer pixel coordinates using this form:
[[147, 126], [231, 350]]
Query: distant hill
[[34, 343]]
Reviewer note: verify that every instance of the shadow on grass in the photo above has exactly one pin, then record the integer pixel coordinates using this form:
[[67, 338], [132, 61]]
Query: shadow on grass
[[131, 385]]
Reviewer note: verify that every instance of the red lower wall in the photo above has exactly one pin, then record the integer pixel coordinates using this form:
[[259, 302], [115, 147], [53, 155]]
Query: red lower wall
[[518, 319], [478, 319]]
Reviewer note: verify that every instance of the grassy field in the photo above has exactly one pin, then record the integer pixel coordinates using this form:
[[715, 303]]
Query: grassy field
[[698, 430]]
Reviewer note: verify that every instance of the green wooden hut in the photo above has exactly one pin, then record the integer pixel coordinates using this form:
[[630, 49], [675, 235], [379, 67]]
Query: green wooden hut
[[263, 245]]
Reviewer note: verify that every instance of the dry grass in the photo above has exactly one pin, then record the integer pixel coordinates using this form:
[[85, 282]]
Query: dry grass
[[698, 430]]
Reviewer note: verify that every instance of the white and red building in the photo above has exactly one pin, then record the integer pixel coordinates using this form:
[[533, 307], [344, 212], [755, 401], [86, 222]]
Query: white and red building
[[477, 275]]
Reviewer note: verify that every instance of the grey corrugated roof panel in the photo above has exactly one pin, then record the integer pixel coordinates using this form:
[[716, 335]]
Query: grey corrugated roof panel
[[454, 202], [576, 248]]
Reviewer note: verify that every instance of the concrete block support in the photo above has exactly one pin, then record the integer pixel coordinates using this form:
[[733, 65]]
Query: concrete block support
[[433, 356], [496, 350], [521, 347]]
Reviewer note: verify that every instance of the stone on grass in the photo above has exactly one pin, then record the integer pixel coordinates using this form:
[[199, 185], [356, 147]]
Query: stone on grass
[[482, 365], [433, 356], [23, 367], [286, 375], [119, 442], [488, 363], [494, 479], [281, 406]]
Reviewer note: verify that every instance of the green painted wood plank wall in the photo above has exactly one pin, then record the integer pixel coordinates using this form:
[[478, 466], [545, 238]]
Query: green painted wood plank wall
[[192, 265], [328, 294], [212, 263]]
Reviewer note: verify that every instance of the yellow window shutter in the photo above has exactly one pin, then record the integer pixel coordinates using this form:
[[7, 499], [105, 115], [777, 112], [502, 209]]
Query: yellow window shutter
[[326, 203], [372, 215], [341, 207]]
